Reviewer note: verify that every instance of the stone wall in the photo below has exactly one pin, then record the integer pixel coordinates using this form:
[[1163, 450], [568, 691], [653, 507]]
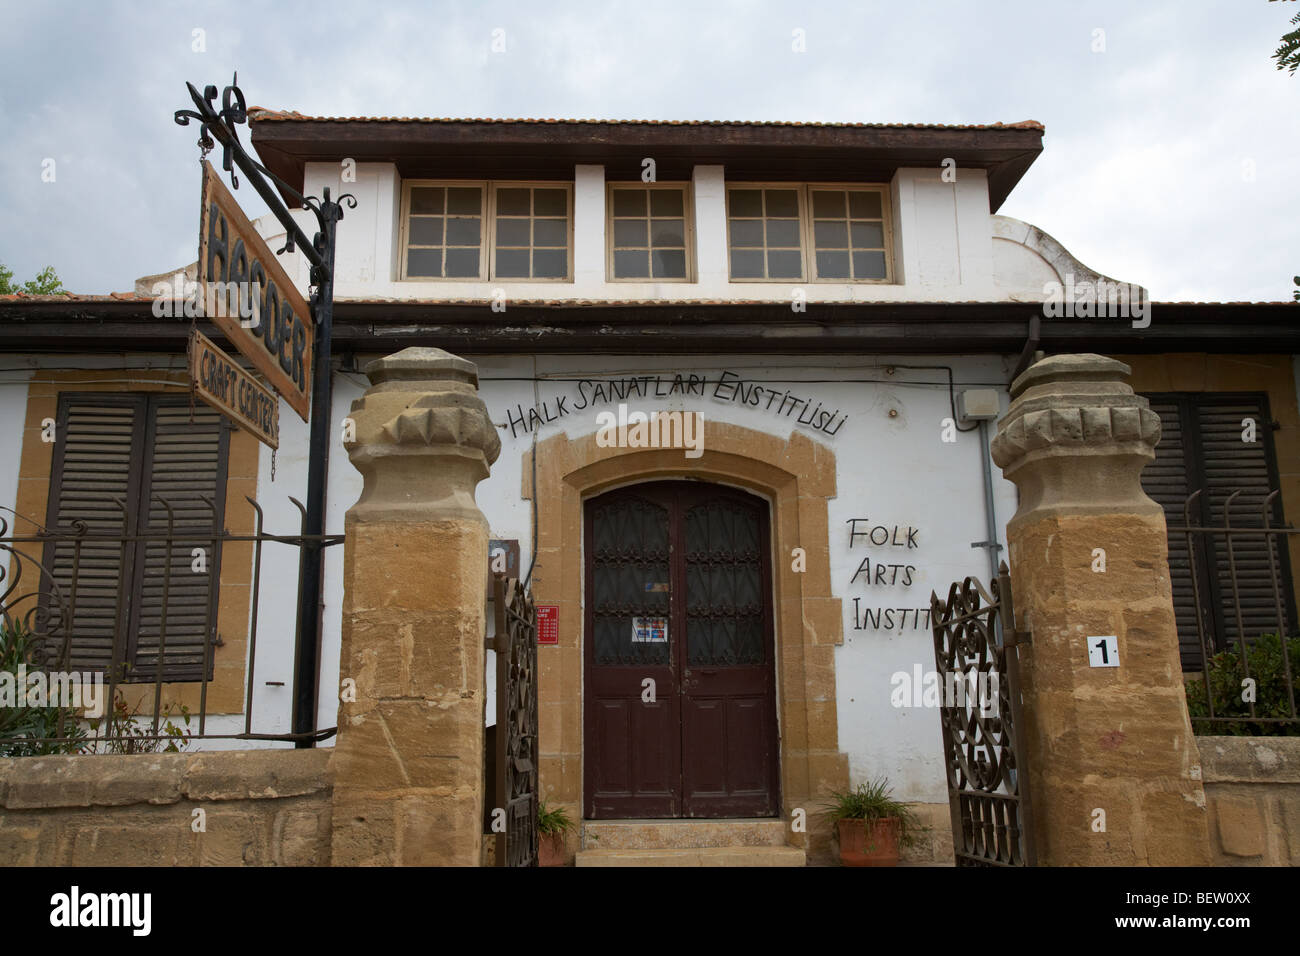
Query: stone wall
[[1252, 787], [260, 808]]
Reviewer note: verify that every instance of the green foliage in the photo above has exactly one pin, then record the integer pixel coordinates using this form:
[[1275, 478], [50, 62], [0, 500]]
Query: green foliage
[[1296, 294], [1288, 54], [552, 821], [1226, 675], [874, 801], [124, 729], [34, 724], [47, 282]]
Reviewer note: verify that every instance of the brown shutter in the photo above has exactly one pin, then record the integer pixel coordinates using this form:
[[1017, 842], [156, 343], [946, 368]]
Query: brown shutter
[[185, 465], [136, 448], [1201, 447], [1232, 464], [1166, 481], [96, 441]]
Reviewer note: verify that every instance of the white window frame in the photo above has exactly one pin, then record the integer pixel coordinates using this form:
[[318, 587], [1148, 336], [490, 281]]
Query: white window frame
[[886, 219], [808, 258], [487, 261], [688, 225]]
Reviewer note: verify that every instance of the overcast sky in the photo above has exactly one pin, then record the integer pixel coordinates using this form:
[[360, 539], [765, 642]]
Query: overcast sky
[[1170, 157]]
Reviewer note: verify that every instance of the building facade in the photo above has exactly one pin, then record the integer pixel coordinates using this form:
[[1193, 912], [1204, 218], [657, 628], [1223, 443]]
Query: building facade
[[744, 376]]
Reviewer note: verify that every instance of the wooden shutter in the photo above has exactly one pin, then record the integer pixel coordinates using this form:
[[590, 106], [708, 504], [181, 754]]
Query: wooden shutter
[[143, 449], [93, 481], [1201, 447], [1166, 481], [184, 465], [1231, 464]]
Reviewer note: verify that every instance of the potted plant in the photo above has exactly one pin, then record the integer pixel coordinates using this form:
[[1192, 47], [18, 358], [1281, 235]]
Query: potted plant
[[871, 825], [552, 825]]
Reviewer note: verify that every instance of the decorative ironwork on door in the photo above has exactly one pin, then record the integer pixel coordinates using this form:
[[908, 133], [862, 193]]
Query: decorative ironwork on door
[[515, 644], [976, 654]]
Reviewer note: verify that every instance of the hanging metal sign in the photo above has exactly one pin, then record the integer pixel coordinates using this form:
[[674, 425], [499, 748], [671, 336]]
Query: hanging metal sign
[[229, 389], [246, 293]]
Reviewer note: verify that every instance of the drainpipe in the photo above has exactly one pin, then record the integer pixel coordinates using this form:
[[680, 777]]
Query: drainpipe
[[990, 544]]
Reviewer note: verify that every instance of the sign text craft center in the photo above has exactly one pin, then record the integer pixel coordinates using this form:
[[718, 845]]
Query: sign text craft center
[[249, 297]]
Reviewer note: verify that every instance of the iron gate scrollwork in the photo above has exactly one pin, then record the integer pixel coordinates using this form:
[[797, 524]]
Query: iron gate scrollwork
[[976, 653], [515, 644]]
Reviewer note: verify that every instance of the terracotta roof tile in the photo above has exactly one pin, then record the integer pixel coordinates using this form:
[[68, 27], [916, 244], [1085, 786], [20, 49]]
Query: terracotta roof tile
[[261, 114]]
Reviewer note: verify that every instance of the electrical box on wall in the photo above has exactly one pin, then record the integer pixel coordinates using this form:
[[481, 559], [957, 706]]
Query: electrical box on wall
[[978, 404]]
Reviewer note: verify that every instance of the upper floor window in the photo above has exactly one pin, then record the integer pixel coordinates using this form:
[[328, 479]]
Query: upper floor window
[[802, 233], [463, 230], [649, 233]]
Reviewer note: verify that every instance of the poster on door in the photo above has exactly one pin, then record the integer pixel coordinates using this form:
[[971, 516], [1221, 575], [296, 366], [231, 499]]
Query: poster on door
[[649, 630]]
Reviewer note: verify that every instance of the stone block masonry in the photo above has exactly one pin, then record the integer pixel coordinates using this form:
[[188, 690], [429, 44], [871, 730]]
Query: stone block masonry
[[214, 808]]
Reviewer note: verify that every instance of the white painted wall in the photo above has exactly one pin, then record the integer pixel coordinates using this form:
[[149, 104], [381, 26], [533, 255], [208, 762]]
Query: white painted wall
[[943, 245], [892, 471]]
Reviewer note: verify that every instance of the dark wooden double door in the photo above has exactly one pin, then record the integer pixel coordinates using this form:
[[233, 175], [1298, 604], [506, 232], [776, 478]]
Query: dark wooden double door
[[679, 689]]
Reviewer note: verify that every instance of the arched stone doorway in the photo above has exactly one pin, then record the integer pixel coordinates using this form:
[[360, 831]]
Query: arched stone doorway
[[797, 477]]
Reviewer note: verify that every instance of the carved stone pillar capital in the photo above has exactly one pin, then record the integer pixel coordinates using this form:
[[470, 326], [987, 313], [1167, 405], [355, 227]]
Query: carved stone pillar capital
[[1076, 438], [422, 437]]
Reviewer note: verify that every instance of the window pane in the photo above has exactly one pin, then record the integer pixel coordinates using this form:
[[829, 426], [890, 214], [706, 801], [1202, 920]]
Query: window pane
[[629, 202], [864, 205], [669, 263], [512, 232], [833, 265], [462, 263], [828, 205], [868, 265], [746, 264], [462, 232], [668, 232], [747, 232], [630, 232], [868, 235], [551, 232], [783, 202], [424, 262], [512, 263], [666, 202], [784, 265], [745, 202], [831, 235], [782, 232], [550, 263], [464, 200], [426, 199], [630, 264], [550, 202], [426, 231], [512, 202]]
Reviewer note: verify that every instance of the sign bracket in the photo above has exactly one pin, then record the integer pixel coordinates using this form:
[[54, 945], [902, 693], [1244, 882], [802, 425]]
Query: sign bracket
[[319, 251]]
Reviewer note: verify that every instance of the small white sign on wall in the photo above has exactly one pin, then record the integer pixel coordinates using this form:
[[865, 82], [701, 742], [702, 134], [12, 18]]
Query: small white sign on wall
[[1103, 651]]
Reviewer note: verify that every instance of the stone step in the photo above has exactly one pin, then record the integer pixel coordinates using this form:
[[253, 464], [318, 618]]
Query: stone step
[[695, 856], [681, 834]]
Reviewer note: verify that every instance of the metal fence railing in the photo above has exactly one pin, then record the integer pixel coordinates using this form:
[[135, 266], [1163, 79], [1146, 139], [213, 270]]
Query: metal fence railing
[[109, 638], [1243, 621]]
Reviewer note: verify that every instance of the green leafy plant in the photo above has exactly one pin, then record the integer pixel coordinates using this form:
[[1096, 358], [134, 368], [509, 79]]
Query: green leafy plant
[[123, 729], [47, 282], [874, 801], [1226, 672], [552, 821], [36, 725]]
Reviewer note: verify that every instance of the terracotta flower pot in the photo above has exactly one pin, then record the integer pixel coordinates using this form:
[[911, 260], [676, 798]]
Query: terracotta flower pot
[[550, 849], [869, 842]]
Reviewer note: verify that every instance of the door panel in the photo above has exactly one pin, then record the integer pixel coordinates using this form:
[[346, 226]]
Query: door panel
[[697, 557]]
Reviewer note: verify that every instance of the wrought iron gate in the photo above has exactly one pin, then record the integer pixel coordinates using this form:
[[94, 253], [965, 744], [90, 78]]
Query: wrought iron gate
[[515, 785], [976, 654]]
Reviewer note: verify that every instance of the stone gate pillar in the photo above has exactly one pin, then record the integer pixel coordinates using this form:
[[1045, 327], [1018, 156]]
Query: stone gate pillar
[[1110, 739], [408, 765]]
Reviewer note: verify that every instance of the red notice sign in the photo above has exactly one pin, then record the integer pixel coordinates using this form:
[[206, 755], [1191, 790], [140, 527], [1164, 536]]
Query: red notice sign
[[548, 624]]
